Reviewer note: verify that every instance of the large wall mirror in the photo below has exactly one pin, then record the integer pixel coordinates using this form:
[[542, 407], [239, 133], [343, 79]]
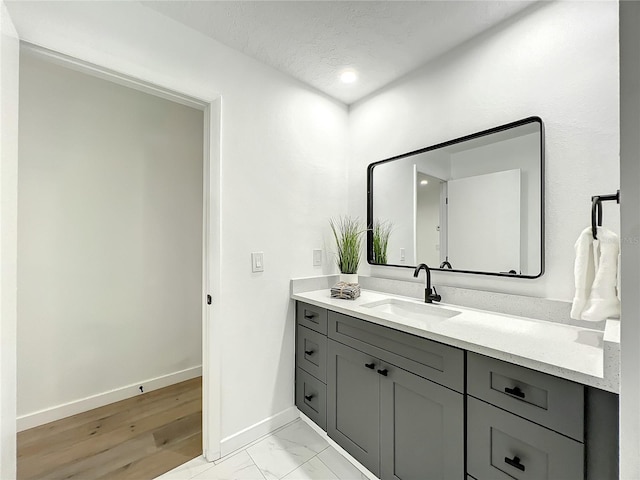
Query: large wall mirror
[[473, 205]]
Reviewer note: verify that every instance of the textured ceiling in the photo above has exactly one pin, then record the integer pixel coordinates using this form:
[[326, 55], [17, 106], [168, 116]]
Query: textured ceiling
[[314, 41]]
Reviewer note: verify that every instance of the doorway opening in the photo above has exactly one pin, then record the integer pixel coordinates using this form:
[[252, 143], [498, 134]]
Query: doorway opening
[[113, 258]]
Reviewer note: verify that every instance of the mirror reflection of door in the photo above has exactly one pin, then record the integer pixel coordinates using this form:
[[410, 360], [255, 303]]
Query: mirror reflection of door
[[428, 215], [484, 210]]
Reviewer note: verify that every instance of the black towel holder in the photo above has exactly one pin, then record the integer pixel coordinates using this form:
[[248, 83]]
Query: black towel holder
[[596, 210]]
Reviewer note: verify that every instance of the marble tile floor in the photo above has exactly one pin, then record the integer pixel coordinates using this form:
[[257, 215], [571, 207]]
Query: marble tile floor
[[294, 452]]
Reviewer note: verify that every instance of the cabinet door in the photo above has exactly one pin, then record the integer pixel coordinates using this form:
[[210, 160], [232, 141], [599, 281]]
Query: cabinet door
[[353, 402], [421, 428]]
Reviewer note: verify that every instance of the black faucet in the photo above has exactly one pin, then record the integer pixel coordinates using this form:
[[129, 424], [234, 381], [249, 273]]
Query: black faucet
[[446, 264], [429, 296]]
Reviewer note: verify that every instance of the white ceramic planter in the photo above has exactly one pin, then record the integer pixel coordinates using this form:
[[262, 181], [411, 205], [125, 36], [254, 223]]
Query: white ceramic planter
[[349, 277]]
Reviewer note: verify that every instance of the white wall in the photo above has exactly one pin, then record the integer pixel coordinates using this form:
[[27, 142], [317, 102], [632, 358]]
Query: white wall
[[282, 176], [9, 64], [557, 60], [630, 235], [109, 239]]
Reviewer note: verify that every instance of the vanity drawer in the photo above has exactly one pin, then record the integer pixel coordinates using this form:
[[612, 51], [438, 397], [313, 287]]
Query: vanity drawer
[[311, 398], [550, 401], [312, 317], [501, 445], [311, 353], [431, 360]]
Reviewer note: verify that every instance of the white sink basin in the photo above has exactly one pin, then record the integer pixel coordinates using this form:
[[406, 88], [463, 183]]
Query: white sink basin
[[415, 310]]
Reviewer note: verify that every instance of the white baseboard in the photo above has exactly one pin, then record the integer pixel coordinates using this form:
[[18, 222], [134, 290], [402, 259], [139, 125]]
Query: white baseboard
[[340, 450], [47, 415], [254, 432]]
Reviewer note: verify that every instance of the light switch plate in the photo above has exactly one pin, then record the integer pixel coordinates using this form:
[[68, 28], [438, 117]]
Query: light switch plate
[[317, 257], [402, 254], [257, 262]]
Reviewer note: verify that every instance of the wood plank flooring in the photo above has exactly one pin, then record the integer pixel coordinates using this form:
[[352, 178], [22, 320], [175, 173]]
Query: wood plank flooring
[[138, 438]]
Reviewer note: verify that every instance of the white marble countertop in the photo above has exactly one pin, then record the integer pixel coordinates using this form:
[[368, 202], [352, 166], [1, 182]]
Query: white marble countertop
[[586, 356]]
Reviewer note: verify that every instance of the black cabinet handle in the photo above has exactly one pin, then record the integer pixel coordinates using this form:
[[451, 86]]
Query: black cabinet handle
[[308, 352], [370, 365], [309, 397], [515, 462], [515, 391], [309, 316], [383, 372]]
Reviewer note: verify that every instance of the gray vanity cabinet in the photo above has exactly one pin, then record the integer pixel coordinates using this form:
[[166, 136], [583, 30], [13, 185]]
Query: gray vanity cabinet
[[398, 424], [399, 404]]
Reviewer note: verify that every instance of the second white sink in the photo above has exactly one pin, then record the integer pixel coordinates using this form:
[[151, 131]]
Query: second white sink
[[404, 308]]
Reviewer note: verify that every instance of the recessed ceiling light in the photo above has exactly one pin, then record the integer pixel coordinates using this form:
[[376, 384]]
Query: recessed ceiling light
[[424, 182], [348, 76]]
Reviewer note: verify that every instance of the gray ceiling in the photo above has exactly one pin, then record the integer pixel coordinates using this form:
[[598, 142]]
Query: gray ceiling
[[314, 41]]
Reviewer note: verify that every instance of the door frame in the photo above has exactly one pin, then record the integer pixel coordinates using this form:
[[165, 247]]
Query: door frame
[[211, 108]]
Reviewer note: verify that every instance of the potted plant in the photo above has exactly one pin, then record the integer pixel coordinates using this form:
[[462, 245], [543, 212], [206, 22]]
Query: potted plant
[[348, 234], [381, 233]]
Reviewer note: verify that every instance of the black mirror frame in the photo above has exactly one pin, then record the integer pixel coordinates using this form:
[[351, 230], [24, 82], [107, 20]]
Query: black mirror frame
[[446, 144]]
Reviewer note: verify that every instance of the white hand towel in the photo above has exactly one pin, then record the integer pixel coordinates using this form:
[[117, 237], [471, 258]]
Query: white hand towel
[[603, 300], [584, 272]]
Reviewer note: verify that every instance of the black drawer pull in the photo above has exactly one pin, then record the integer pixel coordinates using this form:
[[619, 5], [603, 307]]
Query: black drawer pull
[[309, 397], [516, 392], [370, 365], [308, 352], [515, 462], [309, 316], [383, 372]]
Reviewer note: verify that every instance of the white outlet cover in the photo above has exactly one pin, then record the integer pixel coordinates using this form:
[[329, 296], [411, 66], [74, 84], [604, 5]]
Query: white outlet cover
[[257, 262], [317, 257]]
